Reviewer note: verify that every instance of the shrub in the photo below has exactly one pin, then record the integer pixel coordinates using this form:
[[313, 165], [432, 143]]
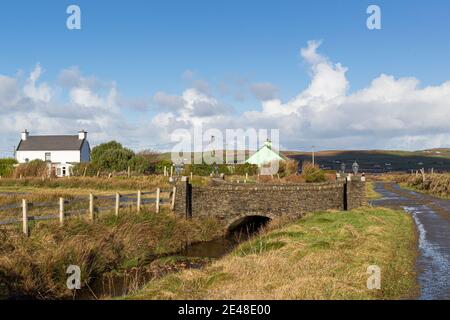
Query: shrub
[[242, 169], [287, 168], [7, 166], [140, 164], [159, 166], [312, 173], [115, 159], [99, 150], [34, 168], [91, 169]]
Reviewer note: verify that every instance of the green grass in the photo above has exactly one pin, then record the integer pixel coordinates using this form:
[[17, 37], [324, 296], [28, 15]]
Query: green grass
[[323, 256], [371, 193]]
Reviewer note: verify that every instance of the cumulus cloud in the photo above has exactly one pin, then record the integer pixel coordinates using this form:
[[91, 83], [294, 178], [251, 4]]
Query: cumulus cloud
[[37, 92], [389, 112], [264, 91], [169, 102], [32, 104]]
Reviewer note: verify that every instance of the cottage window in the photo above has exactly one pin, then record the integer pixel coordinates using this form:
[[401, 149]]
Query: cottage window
[[48, 157]]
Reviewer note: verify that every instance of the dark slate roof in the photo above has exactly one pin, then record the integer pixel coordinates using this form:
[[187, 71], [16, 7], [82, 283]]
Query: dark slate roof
[[50, 143]]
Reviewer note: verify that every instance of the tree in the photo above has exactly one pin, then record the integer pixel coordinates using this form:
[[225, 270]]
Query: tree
[[111, 156], [99, 150], [115, 159], [7, 166]]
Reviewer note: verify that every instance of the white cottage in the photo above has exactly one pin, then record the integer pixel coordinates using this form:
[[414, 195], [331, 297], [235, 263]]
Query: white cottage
[[61, 152]]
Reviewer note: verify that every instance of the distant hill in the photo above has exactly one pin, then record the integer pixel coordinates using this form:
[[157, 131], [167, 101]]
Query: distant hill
[[374, 161], [377, 161]]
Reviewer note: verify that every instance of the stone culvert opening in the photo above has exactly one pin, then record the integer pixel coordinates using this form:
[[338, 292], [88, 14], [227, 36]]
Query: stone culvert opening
[[248, 225]]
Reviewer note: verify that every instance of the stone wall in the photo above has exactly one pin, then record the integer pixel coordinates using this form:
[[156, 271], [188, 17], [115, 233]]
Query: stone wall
[[356, 194], [230, 202]]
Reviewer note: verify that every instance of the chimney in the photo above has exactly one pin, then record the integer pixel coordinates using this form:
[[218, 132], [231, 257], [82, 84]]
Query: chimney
[[82, 135], [25, 134]]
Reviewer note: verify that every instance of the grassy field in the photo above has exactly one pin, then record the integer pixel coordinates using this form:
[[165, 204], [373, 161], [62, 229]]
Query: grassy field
[[35, 266], [84, 184], [323, 256]]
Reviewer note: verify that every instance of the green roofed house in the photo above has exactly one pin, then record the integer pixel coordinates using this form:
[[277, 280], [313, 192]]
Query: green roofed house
[[265, 155]]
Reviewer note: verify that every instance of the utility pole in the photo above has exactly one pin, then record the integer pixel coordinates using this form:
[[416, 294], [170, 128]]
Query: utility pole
[[313, 160], [213, 152]]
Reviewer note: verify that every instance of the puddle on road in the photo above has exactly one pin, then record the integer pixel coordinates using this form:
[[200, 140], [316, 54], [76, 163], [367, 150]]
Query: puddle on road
[[433, 262]]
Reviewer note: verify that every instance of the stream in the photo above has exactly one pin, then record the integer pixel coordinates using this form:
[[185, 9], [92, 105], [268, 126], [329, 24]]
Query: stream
[[193, 256], [432, 218]]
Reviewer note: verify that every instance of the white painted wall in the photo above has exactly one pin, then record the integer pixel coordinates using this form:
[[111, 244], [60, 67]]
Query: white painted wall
[[56, 156]]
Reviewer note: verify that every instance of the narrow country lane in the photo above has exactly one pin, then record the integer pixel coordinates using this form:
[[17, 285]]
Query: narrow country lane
[[432, 217]]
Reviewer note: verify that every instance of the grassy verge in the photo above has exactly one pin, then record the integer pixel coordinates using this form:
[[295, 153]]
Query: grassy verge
[[36, 266], [435, 184], [90, 183], [371, 193], [323, 256]]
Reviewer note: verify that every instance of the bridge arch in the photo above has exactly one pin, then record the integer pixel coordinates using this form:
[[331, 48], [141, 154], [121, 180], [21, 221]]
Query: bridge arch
[[248, 222]]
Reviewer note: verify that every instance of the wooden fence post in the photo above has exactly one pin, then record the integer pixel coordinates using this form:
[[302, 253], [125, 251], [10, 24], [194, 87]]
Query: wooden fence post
[[84, 173], [191, 176], [61, 211], [25, 217], [138, 204], [158, 191], [117, 203], [171, 171], [172, 204], [91, 207], [129, 171]]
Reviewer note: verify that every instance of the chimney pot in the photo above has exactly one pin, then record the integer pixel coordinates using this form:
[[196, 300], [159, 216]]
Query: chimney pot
[[24, 135], [82, 135]]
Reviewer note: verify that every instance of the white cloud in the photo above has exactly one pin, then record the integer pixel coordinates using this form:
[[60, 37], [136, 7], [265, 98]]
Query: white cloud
[[264, 91], [389, 113], [38, 93], [9, 93]]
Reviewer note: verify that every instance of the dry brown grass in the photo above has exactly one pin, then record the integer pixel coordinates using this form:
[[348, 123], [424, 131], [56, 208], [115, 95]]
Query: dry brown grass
[[324, 256], [86, 183], [435, 184], [36, 266]]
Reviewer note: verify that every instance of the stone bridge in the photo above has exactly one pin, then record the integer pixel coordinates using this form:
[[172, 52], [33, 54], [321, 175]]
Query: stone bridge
[[232, 203]]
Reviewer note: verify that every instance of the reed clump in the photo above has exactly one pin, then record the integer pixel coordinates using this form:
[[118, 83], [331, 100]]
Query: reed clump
[[36, 266]]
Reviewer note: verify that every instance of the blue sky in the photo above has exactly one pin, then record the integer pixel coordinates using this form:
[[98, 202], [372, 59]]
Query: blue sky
[[222, 48]]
